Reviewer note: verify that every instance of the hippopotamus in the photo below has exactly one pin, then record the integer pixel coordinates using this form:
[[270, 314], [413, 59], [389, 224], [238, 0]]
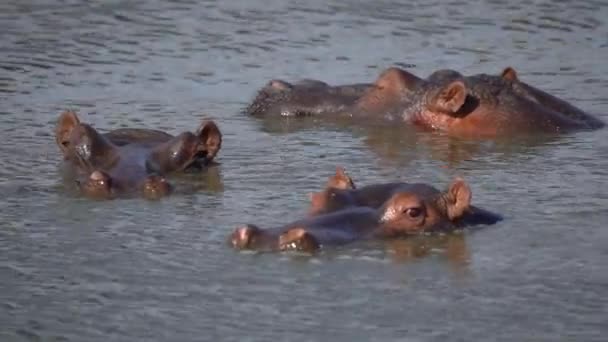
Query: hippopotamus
[[335, 198], [407, 211], [340, 193], [481, 105], [127, 161], [304, 98]]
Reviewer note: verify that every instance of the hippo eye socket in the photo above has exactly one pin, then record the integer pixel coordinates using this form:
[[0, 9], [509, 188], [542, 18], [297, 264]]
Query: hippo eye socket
[[413, 212]]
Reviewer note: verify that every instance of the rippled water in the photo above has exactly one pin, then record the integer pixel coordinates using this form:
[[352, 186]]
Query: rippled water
[[73, 269]]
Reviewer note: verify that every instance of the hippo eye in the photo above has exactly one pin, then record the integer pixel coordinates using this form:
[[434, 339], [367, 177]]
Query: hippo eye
[[413, 212]]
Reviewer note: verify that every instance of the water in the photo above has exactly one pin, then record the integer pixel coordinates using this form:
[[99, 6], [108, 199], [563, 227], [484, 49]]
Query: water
[[73, 269]]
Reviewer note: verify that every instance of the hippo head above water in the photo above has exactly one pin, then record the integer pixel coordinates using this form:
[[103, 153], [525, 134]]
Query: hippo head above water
[[304, 98], [479, 105], [136, 163], [404, 213], [81, 143], [410, 211]]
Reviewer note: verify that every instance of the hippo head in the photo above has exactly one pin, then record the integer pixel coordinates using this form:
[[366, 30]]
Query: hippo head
[[303, 98], [97, 186], [409, 212], [399, 94], [187, 150]]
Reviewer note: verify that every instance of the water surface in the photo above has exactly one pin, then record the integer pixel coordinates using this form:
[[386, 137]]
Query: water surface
[[73, 269]]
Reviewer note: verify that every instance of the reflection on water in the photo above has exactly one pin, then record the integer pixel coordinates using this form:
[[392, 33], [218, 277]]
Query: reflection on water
[[72, 269]]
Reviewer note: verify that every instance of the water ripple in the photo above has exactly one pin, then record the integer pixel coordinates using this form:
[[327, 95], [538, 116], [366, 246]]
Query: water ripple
[[73, 269]]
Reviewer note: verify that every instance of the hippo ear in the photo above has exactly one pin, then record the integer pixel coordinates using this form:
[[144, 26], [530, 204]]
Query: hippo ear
[[458, 198], [279, 85], [509, 74], [66, 123], [340, 180], [450, 98], [211, 138]]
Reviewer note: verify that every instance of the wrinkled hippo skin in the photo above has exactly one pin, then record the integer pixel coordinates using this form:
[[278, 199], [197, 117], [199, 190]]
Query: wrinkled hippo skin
[[474, 106], [407, 211], [132, 161], [335, 198], [304, 98]]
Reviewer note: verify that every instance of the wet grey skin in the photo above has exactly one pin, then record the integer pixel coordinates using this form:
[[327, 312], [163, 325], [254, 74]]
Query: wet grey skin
[[304, 98]]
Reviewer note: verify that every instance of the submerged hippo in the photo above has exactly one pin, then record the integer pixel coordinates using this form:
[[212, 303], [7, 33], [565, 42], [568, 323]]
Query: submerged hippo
[[132, 160], [333, 198], [407, 211], [304, 98], [480, 105]]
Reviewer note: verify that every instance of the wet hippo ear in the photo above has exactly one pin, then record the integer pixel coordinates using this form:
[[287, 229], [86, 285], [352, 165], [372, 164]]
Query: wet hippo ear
[[450, 98], [340, 180], [278, 85], [210, 137], [509, 74], [458, 198], [66, 123]]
